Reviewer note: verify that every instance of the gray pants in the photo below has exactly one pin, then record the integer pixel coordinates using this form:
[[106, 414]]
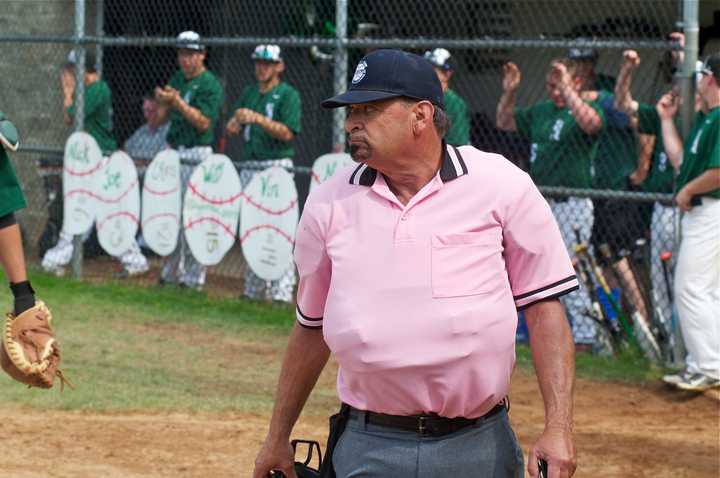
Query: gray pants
[[181, 267], [488, 449]]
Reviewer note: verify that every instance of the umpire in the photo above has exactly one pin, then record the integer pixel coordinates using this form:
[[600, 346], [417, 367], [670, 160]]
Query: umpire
[[412, 266]]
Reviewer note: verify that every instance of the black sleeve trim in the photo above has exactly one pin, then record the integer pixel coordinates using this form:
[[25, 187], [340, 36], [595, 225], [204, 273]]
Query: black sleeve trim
[[311, 319], [7, 220], [554, 296], [554, 284], [316, 327]]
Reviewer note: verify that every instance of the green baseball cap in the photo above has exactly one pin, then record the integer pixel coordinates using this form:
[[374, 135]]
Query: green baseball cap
[[8, 133]]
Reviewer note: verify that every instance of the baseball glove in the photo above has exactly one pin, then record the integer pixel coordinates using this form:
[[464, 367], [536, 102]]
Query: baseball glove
[[30, 354]]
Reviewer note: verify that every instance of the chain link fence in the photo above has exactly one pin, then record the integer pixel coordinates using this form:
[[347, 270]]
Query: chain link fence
[[606, 179]]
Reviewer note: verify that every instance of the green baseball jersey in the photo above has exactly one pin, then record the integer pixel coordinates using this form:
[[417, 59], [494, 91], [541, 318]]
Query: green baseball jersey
[[702, 150], [604, 82], [11, 196], [561, 152], [203, 92], [457, 111], [660, 178], [617, 152], [98, 115], [281, 104]]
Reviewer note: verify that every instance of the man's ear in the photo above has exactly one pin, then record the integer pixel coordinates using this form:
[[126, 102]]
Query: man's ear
[[422, 116]]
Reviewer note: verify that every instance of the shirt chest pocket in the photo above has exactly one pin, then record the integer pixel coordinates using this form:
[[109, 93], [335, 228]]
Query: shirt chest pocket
[[466, 264]]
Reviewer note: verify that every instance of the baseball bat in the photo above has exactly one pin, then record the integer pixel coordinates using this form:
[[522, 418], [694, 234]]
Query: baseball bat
[[597, 312], [583, 253], [675, 345], [635, 314], [664, 259], [640, 267], [221, 144]]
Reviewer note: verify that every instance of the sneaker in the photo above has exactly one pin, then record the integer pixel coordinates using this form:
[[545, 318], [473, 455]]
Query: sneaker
[[675, 378], [698, 382]]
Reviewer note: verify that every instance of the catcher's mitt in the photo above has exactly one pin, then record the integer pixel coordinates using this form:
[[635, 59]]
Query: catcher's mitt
[[29, 353]]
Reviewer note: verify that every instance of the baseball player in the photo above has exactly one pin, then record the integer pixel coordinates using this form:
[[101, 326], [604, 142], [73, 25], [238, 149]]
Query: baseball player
[[564, 133], [194, 96], [455, 106], [268, 114], [11, 200], [98, 124], [660, 173], [697, 275], [621, 165]]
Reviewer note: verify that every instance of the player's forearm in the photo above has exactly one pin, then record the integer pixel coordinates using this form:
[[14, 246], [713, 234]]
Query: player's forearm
[[505, 114], [623, 98], [646, 144], [706, 182], [672, 143], [554, 358], [304, 360], [275, 129], [193, 115], [587, 118], [11, 253]]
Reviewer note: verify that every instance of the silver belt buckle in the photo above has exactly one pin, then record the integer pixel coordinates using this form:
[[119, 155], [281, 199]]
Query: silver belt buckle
[[422, 428]]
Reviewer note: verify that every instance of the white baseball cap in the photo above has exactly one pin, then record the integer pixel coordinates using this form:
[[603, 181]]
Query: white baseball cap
[[440, 58], [190, 41], [267, 53]]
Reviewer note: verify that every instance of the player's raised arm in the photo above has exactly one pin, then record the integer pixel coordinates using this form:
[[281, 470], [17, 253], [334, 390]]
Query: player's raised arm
[[623, 98], [505, 115]]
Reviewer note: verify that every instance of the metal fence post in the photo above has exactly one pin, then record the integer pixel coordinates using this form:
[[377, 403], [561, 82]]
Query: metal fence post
[[79, 110], [691, 30], [100, 33], [687, 113], [340, 72]]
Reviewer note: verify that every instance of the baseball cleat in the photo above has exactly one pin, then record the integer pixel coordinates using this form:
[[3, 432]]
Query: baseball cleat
[[698, 382]]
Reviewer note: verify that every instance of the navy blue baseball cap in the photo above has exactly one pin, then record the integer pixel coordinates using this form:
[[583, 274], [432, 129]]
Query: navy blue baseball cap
[[384, 74]]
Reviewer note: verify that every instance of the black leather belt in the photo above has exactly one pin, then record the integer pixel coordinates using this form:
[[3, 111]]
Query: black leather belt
[[428, 425]]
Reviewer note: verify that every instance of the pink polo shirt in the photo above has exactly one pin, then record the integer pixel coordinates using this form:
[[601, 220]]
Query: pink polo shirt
[[418, 303]]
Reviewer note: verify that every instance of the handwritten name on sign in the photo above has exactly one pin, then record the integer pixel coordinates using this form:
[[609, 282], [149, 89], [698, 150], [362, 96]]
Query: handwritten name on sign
[[161, 203], [327, 165], [211, 209], [118, 204], [82, 164], [268, 221]]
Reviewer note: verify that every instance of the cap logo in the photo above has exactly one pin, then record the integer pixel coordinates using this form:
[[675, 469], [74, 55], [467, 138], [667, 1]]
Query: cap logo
[[359, 72]]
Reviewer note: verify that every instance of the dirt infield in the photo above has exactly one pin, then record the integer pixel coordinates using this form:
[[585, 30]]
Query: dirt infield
[[621, 431]]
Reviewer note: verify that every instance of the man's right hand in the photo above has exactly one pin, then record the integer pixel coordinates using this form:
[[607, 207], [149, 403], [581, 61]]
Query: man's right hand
[[511, 77], [277, 456], [631, 59], [67, 82], [668, 105], [232, 127]]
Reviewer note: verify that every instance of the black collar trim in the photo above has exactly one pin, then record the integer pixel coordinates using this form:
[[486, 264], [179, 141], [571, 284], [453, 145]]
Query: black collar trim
[[453, 166]]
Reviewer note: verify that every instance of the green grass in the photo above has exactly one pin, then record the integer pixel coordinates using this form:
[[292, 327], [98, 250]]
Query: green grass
[[129, 348], [626, 366]]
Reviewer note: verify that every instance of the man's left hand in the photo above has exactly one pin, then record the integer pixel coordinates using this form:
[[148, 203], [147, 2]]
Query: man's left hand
[[555, 446], [246, 116], [168, 95], [683, 199]]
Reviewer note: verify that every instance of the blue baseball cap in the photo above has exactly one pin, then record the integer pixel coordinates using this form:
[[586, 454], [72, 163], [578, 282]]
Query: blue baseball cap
[[384, 74]]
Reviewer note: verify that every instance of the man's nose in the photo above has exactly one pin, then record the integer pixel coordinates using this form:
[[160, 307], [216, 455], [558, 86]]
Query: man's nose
[[352, 124]]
